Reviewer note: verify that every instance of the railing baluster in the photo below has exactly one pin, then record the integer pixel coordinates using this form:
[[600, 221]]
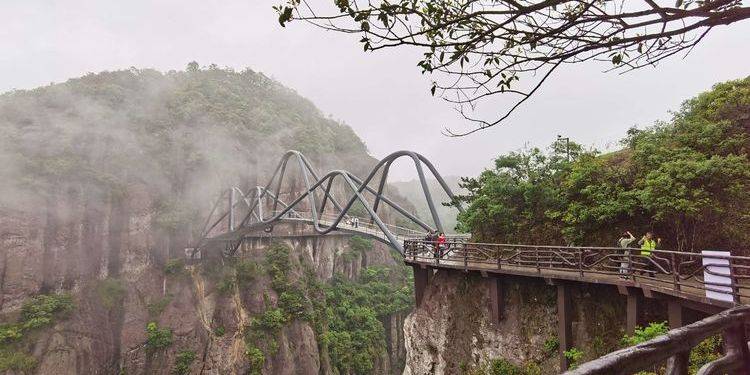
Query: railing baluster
[[580, 261], [466, 260], [675, 272], [735, 283]]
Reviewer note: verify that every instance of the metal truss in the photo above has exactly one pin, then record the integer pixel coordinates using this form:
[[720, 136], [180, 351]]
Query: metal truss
[[318, 194]]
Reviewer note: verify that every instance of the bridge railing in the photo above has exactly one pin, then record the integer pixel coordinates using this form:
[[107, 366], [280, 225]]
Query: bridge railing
[[674, 347], [697, 273], [363, 225]]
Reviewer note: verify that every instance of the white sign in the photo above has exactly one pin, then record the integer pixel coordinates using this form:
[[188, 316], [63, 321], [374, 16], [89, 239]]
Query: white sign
[[717, 271]]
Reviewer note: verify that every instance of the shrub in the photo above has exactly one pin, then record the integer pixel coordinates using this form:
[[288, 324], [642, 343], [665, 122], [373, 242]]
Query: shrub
[[574, 356], [225, 286], [277, 260], [219, 331], [360, 244], [16, 362], [37, 312], [182, 364], [157, 338], [533, 369], [256, 358], [644, 334], [10, 332], [110, 291], [551, 344], [174, 267], [155, 308], [293, 303], [271, 321], [44, 307], [500, 366], [247, 271], [707, 351]]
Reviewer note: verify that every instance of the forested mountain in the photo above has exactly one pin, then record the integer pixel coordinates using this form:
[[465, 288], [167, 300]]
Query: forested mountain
[[687, 179], [179, 133], [107, 178]]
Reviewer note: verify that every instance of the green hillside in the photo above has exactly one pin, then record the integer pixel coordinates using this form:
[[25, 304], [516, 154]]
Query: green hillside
[[183, 135]]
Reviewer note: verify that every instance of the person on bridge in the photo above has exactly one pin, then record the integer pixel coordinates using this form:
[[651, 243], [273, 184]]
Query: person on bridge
[[648, 244], [441, 244], [624, 242], [432, 238]]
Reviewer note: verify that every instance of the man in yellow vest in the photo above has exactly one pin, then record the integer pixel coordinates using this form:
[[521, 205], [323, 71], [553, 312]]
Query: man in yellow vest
[[648, 244]]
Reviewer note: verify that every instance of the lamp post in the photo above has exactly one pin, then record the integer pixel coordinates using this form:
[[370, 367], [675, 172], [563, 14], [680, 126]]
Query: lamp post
[[567, 144]]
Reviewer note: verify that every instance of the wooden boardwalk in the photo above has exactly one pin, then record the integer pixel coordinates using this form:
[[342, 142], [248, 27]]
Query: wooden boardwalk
[[674, 274]]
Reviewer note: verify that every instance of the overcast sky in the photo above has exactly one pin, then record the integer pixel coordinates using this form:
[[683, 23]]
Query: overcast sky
[[381, 95]]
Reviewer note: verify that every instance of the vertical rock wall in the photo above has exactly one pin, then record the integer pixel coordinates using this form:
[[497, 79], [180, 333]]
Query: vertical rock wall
[[452, 332]]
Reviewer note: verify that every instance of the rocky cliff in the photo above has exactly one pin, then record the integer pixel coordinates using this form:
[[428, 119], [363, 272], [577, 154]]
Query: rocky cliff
[[451, 332], [207, 308]]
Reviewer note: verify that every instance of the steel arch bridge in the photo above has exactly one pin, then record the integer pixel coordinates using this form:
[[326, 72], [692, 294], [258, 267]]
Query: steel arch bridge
[[261, 206]]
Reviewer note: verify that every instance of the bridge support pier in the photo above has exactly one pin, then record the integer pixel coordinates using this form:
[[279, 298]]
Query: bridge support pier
[[633, 309], [677, 364], [421, 280], [564, 323], [496, 299]]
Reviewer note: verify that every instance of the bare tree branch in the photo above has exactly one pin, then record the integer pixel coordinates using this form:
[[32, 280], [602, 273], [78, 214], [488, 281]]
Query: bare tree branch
[[477, 49]]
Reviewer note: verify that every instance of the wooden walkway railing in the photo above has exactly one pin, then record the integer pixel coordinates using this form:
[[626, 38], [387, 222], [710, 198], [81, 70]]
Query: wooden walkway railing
[[674, 347], [682, 273]]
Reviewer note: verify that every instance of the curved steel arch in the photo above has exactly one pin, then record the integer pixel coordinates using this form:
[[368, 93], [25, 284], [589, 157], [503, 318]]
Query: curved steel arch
[[314, 185]]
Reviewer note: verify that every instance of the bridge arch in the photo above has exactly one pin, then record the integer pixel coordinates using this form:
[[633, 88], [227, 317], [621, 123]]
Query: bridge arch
[[315, 184]]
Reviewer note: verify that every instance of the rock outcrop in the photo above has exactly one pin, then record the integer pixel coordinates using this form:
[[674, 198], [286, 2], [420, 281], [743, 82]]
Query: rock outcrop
[[451, 332]]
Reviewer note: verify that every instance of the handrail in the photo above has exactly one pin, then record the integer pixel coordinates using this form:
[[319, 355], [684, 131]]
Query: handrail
[[677, 271], [675, 346]]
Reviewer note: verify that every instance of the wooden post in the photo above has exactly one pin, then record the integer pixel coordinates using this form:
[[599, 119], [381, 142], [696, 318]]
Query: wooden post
[[674, 314], [564, 323], [496, 299], [633, 310], [421, 280], [735, 343], [679, 363]]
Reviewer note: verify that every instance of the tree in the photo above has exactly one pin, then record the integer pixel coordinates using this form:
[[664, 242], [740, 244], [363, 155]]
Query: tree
[[688, 180], [482, 48]]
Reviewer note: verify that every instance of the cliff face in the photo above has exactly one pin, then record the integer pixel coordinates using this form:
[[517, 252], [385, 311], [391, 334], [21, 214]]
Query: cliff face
[[105, 332], [451, 332]]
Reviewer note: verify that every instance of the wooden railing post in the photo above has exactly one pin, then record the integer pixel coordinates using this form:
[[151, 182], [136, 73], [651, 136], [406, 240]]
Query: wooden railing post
[[536, 260], [675, 272], [466, 258], [580, 261], [436, 251], [564, 323], [735, 283]]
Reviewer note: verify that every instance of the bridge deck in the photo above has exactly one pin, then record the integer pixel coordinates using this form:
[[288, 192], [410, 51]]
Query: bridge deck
[[672, 278], [659, 285]]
